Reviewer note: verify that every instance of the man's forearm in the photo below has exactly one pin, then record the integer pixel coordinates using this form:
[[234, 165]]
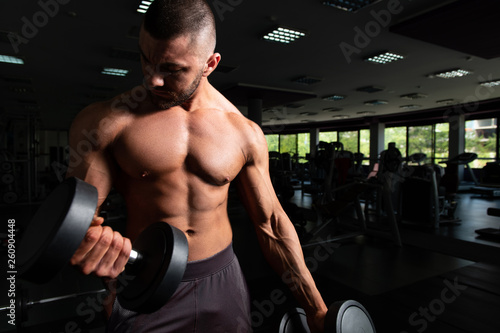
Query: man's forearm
[[282, 249]]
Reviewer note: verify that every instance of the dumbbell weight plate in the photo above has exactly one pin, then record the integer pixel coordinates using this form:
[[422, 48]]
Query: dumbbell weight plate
[[294, 321], [56, 230], [164, 251], [348, 317], [342, 317]]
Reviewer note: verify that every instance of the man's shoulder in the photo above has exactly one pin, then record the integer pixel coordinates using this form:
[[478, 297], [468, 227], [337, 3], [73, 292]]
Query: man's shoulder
[[104, 117], [97, 112], [250, 134], [242, 123]]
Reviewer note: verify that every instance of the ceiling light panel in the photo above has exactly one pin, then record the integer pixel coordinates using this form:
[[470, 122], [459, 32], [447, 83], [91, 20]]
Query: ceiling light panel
[[334, 97], [114, 71], [384, 58], [143, 6], [11, 60], [413, 96], [410, 107], [449, 101], [376, 102], [490, 84], [452, 73], [307, 80], [332, 109], [366, 113], [283, 35], [370, 89], [349, 5], [340, 116]]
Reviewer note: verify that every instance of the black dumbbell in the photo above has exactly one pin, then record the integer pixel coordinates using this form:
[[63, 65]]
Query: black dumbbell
[[342, 317], [155, 267]]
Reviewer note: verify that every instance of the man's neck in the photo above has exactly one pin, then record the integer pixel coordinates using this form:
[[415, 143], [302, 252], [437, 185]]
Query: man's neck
[[201, 98]]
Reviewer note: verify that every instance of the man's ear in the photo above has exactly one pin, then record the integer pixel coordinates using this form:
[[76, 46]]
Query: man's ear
[[211, 64]]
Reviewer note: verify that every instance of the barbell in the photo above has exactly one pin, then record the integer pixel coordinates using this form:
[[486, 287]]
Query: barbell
[[155, 267]]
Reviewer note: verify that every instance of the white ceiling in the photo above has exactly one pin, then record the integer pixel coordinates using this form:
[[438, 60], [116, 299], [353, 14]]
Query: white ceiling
[[72, 41]]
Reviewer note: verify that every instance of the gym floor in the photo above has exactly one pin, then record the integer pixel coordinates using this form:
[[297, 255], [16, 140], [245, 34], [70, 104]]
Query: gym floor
[[443, 280]]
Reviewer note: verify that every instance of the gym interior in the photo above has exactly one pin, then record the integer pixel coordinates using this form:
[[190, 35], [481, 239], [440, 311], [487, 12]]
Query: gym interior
[[381, 118]]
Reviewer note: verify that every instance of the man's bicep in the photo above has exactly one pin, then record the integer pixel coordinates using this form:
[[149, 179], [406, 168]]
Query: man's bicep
[[256, 193], [88, 159]]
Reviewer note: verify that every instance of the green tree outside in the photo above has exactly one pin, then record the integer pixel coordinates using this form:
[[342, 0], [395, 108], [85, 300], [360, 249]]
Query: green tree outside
[[442, 132], [397, 135], [304, 146], [481, 140], [273, 142], [433, 140], [420, 140], [350, 140], [328, 136], [288, 144], [364, 145]]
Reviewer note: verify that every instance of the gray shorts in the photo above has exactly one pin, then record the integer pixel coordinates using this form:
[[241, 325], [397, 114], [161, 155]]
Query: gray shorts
[[212, 297]]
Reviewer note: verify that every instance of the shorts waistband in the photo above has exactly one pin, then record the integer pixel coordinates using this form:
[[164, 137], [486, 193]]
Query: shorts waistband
[[204, 267]]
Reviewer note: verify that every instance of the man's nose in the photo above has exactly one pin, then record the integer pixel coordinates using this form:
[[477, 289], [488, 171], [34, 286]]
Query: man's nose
[[153, 78]]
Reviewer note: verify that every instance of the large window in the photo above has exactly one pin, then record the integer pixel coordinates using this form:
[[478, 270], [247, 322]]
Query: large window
[[420, 140], [288, 144], [303, 146], [442, 136], [353, 141], [297, 145], [349, 140], [398, 136], [431, 140], [364, 143], [273, 142], [480, 138], [328, 136]]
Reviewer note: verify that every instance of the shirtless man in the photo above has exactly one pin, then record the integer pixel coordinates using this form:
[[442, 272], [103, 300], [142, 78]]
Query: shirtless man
[[172, 147]]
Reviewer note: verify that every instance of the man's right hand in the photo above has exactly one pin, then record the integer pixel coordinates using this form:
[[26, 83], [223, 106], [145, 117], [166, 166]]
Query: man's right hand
[[103, 252]]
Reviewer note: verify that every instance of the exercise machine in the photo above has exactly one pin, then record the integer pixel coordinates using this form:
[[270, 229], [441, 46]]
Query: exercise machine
[[451, 181], [423, 201]]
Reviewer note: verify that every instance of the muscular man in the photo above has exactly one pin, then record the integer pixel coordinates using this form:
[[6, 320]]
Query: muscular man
[[171, 147]]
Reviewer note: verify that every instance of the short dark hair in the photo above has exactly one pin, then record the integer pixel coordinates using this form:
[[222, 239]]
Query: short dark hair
[[166, 19]]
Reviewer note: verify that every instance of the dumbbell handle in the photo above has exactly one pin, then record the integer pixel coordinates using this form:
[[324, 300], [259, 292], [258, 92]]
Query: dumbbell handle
[[134, 257]]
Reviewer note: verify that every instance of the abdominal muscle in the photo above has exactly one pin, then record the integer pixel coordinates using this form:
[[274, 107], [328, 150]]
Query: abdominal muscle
[[197, 209]]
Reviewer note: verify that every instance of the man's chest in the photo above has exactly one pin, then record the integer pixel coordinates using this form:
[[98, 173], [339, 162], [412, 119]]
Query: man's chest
[[157, 146]]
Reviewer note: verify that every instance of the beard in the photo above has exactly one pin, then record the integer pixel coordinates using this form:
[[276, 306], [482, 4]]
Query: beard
[[170, 98]]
